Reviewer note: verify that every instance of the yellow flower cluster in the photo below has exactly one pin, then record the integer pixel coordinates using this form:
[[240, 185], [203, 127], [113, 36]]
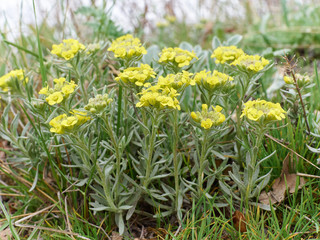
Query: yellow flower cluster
[[208, 119], [168, 20], [176, 81], [98, 103], [213, 81], [67, 49], [226, 54], [162, 24], [252, 63], [92, 47], [6, 81], [64, 123], [159, 97], [127, 47], [177, 56], [261, 109], [301, 79], [61, 91], [136, 75]]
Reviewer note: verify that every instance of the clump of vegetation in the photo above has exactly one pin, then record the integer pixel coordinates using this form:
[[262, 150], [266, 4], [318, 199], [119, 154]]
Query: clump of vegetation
[[111, 137]]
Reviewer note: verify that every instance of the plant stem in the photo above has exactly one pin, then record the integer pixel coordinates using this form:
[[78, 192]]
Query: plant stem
[[201, 163], [301, 101], [117, 154], [152, 140], [175, 155], [253, 164]]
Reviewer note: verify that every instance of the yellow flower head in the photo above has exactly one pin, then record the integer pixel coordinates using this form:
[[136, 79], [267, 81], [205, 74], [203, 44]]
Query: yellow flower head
[[170, 18], [301, 79], [92, 47], [261, 109], [226, 54], [208, 119], [177, 81], [7, 80], [81, 116], [213, 81], [127, 47], [59, 81], [56, 124], [162, 24], [54, 98], [177, 57], [61, 90], [136, 75], [159, 97], [68, 88], [251, 63], [64, 123], [98, 103], [67, 49]]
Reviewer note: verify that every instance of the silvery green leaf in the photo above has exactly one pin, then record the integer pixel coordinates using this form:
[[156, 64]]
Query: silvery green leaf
[[264, 180], [215, 43], [82, 182], [125, 207], [239, 183], [219, 155], [270, 155], [210, 181], [235, 170], [186, 46], [101, 208], [281, 52], [314, 150], [160, 176], [255, 174], [35, 181], [225, 188], [163, 214], [234, 40], [152, 54], [159, 197], [119, 222], [208, 195]]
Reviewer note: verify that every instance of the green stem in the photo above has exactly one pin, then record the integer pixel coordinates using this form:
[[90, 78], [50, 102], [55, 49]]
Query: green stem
[[175, 155], [253, 164], [117, 154], [106, 188], [152, 140], [119, 109], [201, 163]]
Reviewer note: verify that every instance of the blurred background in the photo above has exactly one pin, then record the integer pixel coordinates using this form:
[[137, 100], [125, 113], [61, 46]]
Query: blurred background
[[264, 24]]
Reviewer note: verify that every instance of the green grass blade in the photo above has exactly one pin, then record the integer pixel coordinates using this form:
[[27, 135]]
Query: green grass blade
[[13, 230], [42, 67], [21, 48]]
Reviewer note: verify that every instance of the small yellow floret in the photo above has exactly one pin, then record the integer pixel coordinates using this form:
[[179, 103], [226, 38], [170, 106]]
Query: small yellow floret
[[136, 75], [67, 49], [177, 56], [226, 54], [213, 81], [208, 119], [54, 98], [261, 109], [159, 97], [127, 47], [6, 81], [251, 63]]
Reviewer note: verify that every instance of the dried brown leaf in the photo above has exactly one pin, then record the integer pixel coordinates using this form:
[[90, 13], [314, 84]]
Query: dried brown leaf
[[5, 234], [286, 181], [116, 236], [239, 221]]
